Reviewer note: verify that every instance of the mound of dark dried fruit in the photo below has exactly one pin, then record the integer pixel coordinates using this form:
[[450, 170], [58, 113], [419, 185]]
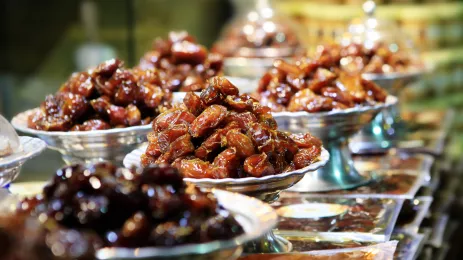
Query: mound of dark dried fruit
[[108, 96], [184, 64], [107, 206], [315, 85], [221, 134], [378, 59]]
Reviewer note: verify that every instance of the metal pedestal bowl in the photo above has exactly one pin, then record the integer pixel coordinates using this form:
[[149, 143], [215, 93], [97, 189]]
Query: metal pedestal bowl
[[88, 146], [265, 188], [333, 128], [10, 165], [386, 129]]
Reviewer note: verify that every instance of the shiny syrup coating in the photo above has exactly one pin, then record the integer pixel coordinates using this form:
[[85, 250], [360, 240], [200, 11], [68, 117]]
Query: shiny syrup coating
[[316, 84], [105, 97], [184, 64], [222, 134], [86, 207]]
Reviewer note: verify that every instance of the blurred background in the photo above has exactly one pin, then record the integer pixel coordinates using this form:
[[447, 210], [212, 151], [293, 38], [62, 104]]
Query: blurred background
[[43, 42]]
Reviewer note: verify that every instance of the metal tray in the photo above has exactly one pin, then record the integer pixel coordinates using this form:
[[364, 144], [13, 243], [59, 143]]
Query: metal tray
[[377, 222]]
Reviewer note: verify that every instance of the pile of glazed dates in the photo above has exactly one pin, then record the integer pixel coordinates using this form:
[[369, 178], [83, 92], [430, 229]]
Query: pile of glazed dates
[[315, 85], [88, 207], [221, 134], [378, 59], [182, 63], [111, 96]]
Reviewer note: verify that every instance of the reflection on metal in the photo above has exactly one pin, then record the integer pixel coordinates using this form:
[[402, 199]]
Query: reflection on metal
[[333, 128]]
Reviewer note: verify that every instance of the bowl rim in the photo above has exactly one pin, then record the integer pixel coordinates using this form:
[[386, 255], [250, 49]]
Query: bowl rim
[[390, 101], [396, 75], [19, 122]]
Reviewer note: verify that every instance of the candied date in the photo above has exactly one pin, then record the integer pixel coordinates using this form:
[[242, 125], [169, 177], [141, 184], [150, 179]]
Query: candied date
[[211, 95], [262, 137], [133, 115], [224, 86], [352, 84], [180, 147], [194, 168], [194, 103], [170, 118], [166, 137], [307, 100], [258, 165], [244, 120], [225, 164], [79, 83], [188, 52], [241, 142], [92, 124], [208, 119], [305, 157], [305, 140]]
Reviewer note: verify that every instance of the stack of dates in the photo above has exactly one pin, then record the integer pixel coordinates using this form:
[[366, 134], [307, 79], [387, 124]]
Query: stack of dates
[[108, 96], [315, 85], [184, 64], [379, 59], [222, 134], [85, 208]]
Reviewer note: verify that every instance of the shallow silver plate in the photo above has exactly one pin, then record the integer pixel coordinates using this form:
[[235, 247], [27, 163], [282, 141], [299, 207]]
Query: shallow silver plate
[[87, 146], [10, 165], [265, 188], [256, 217]]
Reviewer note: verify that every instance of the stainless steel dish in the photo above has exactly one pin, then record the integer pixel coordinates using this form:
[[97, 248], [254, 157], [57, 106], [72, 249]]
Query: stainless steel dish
[[256, 217], [386, 129], [87, 146], [265, 188], [333, 128], [10, 166]]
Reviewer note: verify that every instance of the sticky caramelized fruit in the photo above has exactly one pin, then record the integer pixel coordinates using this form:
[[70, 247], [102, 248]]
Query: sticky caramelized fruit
[[222, 134]]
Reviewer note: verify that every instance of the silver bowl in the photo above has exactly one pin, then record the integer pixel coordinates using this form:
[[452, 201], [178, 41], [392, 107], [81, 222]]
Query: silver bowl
[[257, 218], [333, 128], [88, 146], [385, 130], [10, 165], [266, 188]]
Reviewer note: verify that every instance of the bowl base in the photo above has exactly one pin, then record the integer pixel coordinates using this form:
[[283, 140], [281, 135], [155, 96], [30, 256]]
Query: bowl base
[[319, 182], [269, 243]]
